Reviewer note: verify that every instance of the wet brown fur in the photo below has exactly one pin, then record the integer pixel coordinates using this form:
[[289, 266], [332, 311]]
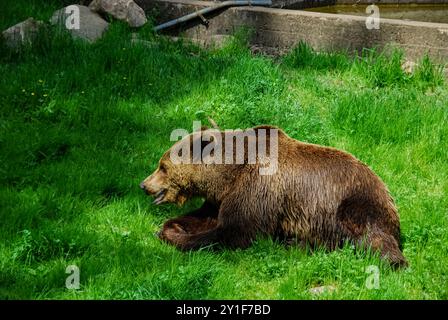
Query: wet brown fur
[[319, 195]]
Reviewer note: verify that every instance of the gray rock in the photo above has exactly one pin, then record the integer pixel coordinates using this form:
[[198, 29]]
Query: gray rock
[[408, 66], [124, 10], [91, 26], [322, 289], [21, 33]]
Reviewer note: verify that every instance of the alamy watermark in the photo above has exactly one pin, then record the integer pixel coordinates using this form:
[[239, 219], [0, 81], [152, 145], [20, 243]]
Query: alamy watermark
[[72, 281], [212, 146], [373, 280], [373, 20], [72, 21]]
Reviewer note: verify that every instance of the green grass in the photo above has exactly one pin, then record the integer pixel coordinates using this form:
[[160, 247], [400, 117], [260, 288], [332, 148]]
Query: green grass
[[82, 125]]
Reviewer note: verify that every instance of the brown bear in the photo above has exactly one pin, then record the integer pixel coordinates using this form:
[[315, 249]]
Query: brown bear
[[316, 195]]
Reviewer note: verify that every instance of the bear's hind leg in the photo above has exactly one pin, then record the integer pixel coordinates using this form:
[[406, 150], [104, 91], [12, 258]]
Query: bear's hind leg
[[362, 221], [387, 246]]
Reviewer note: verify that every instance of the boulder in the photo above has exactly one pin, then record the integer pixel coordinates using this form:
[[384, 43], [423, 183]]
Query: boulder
[[408, 66], [90, 27], [322, 289], [124, 10], [21, 33]]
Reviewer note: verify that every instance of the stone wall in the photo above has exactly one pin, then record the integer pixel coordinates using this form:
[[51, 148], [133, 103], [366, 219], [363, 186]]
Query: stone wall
[[278, 30], [299, 4]]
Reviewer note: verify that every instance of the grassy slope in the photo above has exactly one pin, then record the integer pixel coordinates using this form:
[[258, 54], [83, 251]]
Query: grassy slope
[[81, 126]]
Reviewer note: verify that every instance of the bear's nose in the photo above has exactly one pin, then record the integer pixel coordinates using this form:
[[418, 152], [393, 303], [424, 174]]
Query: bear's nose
[[142, 186]]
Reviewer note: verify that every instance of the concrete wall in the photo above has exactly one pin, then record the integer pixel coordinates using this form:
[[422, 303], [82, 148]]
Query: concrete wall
[[301, 4], [391, 1], [278, 30]]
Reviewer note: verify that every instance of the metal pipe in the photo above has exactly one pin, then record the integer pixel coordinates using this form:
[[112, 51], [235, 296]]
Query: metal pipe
[[201, 12]]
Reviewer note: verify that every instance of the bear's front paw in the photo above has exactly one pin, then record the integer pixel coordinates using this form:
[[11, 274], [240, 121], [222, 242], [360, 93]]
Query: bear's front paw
[[178, 228], [172, 234]]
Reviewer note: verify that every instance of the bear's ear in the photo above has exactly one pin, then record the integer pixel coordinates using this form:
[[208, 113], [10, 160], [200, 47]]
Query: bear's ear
[[197, 140], [213, 123], [203, 128], [203, 143]]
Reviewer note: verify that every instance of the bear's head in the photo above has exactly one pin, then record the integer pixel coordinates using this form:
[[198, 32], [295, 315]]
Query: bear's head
[[199, 163], [176, 178]]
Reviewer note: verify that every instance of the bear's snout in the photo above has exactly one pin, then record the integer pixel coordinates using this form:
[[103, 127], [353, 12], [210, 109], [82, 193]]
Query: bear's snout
[[153, 187], [145, 188]]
